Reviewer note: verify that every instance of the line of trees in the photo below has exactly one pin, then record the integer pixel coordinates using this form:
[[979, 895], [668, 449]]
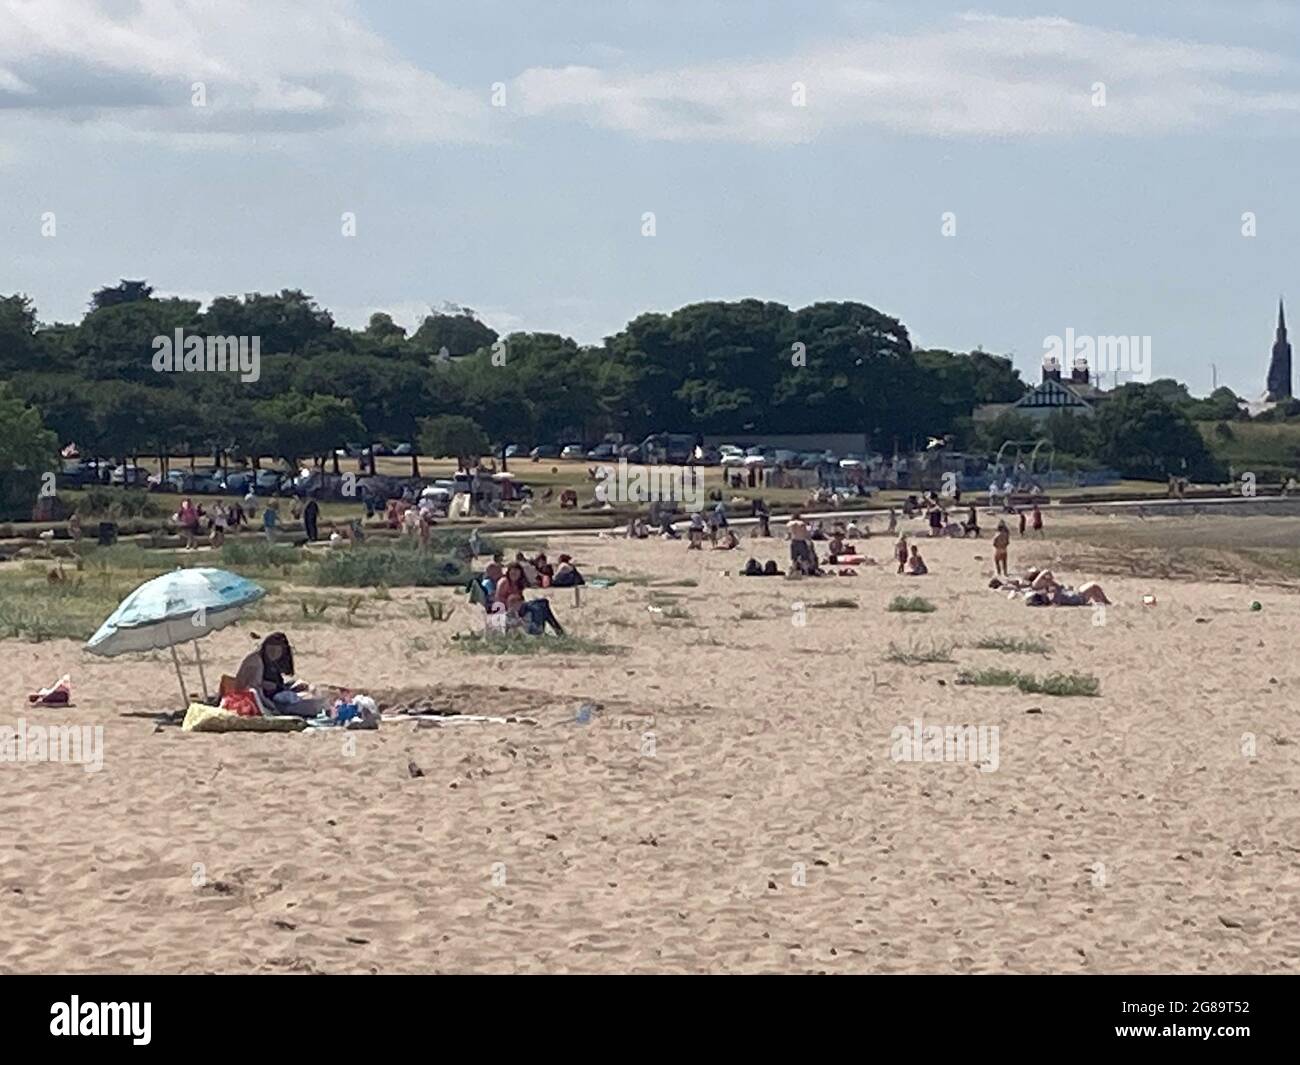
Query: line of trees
[[722, 367]]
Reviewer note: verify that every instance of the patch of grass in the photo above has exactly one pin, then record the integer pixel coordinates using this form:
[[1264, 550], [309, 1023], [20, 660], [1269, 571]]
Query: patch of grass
[[1053, 684], [393, 567], [259, 555], [749, 615], [1014, 645], [833, 604], [685, 582], [990, 678], [915, 654], [1063, 684], [476, 643], [910, 604]]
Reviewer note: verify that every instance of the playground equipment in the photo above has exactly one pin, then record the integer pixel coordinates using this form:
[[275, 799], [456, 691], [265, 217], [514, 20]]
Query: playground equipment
[[1042, 458]]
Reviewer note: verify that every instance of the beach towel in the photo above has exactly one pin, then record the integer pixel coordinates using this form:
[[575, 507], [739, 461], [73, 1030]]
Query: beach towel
[[203, 718]]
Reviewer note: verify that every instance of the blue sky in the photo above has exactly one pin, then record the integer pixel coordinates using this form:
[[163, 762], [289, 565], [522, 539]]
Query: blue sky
[[1117, 219]]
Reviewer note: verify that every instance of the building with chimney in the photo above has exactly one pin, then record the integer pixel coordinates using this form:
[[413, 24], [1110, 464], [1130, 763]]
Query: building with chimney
[[1052, 395], [1279, 367]]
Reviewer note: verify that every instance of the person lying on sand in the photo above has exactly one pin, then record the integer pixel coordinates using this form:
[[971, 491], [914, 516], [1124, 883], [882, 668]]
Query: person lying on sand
[[533, 615], [727, 542], [266, 671]]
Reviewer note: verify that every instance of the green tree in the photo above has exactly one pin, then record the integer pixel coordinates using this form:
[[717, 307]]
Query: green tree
[[454, 434], [294, 425], [460, 333], [1142, 435], [27, 450]]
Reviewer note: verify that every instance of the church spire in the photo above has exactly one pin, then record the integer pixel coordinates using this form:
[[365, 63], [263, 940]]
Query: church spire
[[1279, 367]]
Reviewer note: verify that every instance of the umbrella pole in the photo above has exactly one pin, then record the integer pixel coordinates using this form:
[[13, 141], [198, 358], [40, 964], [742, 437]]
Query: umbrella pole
[[185, 696], [202, 679]]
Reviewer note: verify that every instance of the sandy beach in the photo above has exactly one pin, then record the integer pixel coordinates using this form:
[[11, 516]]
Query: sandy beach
[[731, 803]]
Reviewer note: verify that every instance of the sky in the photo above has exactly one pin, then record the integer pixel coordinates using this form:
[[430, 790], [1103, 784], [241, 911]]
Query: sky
[[990, 175]]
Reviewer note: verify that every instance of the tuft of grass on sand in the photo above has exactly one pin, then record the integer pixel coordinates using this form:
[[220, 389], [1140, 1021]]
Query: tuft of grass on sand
[[910, 604], [749, 615], [833, 604], [393, 567], [685, 582], [1013, 645], [1053, 684], [916, 655], [476, 643]]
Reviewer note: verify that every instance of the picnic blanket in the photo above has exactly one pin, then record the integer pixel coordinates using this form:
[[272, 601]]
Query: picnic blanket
[[203, 718]]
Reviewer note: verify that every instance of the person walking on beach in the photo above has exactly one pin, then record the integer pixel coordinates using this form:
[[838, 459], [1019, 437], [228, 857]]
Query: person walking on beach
[[900, 552], [1021, 515], [270, 519], [893, 521], [188, 519], [1037, 521], [1001, 540], [802, 557]]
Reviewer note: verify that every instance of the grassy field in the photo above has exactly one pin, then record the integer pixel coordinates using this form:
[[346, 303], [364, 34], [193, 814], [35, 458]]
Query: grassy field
[[1256, 446], [70, 598]]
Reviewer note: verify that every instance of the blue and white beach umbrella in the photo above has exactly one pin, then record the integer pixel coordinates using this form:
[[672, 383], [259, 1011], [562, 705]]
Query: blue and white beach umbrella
[[177, 607]]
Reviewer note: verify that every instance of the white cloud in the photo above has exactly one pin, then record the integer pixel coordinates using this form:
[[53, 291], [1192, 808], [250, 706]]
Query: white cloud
[[268, 66], [978, 76]]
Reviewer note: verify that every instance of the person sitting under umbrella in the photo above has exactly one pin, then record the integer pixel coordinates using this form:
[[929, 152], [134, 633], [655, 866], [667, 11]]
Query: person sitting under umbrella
[[265, 671]]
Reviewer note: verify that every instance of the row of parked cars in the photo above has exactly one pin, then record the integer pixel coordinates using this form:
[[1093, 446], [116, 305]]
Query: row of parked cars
[[677, 451]]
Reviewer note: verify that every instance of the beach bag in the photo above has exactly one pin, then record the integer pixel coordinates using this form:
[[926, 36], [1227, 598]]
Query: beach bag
[[243, 702]]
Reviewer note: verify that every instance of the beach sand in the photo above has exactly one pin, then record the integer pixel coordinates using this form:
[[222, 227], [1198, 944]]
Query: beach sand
[[731, 804]]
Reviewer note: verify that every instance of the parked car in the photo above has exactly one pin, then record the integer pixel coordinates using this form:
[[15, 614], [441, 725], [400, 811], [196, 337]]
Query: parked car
[[511, 450], [545, 451], [268, 482], [129, 476], [709, 456], [403, 449], [601, 452], [191, 482], [631, 452], [785, 457], [77, 475], [572, 451], [380, 449]]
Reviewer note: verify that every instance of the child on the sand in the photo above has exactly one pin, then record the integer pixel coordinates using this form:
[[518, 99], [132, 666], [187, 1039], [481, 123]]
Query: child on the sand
[[900, 552], [916, 566], [1001, 540], [1037, 522]]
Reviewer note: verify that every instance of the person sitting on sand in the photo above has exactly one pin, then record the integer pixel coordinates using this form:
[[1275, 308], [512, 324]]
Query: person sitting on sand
[[530, 571], [266, 671], [916, 566], [534, 614], [728, 541], [512, 582], [1001, 540], [972, 526], [900, 552], [566, 574], [545, 571]]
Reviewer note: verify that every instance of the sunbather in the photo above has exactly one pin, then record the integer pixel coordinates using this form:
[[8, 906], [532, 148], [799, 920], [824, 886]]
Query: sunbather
[[266, 672], [535, 615]]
